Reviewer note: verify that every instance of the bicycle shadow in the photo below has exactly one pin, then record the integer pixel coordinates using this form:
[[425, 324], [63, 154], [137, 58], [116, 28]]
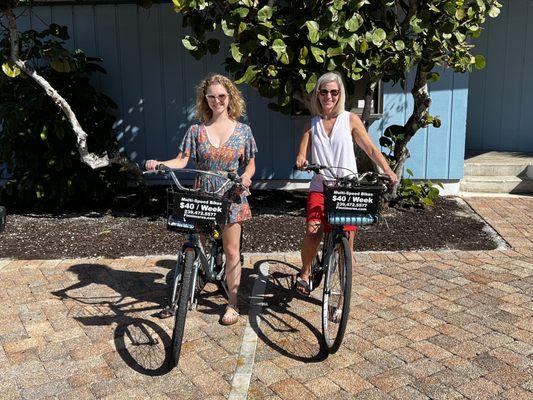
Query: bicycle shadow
[[104, 296], [280, 324]]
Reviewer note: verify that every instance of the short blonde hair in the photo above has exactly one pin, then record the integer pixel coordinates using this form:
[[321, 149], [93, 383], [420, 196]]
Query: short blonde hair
[[316, 107], [236, 108]]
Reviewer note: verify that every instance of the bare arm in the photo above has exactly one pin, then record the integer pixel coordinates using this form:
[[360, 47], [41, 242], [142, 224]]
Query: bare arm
[[248, 173], [361, 137], [180, 161], [305, 146]]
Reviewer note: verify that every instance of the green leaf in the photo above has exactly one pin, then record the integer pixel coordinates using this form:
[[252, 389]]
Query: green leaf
[[313, 28], [279, 47], [378, 37], [460, 14], [227, 31], [318, 53], [235, 52], [415, 24], [433, 77], [10, 69], [364, 46], [242, 27], [311, 83], [241, 12], [178, 5], [190, 43], [393, 131], [449, 7], [331, 65], [480, 62], [354, 23], [264, 14], [249, 75], [336, 51], [399, 44], [263, 40], [44, 133], [302, 57], [494, 11], [459, 36]]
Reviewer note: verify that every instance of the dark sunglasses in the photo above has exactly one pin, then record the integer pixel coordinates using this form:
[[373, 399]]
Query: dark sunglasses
[[324, 92]]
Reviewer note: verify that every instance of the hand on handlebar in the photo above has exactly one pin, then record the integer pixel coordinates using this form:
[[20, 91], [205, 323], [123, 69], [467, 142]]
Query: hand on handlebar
[[393, 179], [151, 165], [301, 162]]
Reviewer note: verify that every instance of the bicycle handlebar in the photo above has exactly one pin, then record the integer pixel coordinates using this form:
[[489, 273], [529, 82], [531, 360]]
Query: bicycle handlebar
[[353, 176], [232, 177]]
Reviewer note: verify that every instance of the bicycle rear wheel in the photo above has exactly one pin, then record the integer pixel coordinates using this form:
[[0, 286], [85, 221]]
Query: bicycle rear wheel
[[337, 294], [183, 305]]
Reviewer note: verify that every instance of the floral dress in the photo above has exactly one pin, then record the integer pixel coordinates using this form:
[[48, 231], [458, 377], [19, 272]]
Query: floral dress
[[235, 153]]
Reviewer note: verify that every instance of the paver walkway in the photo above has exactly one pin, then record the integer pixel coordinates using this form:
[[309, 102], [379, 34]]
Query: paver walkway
[[437, 325]]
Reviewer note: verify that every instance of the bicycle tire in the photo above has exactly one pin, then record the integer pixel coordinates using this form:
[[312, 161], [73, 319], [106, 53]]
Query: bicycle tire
[[181, 313], [336, 306]]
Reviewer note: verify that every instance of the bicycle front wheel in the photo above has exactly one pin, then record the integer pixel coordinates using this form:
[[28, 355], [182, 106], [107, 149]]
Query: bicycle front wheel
[[183, 305], [337, 294]]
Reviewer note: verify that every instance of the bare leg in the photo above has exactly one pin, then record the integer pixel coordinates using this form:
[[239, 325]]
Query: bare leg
[[351, 239], [231, 237], [310, 245]]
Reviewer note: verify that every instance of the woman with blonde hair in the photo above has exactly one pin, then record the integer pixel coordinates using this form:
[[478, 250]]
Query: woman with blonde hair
[[221, 143], [330, 136]]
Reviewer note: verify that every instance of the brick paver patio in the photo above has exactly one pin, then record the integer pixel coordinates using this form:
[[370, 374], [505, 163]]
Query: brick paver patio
[[424, 325]]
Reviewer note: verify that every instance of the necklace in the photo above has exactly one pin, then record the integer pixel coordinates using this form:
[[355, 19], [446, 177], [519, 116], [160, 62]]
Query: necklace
[[328, 117]]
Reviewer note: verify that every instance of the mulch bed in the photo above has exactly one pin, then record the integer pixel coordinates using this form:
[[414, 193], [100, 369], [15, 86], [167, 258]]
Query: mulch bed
[[278, 225]]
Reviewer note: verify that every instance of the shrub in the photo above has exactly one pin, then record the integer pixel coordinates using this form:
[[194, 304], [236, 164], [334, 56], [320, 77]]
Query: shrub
[[420, 194], [38, 153]]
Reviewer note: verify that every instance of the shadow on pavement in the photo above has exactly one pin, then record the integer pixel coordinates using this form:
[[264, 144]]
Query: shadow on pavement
[[142, 344], [280, 324]]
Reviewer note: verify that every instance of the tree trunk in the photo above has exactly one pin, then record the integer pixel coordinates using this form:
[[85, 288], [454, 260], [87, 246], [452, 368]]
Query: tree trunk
[[364, 163], [422, 101]]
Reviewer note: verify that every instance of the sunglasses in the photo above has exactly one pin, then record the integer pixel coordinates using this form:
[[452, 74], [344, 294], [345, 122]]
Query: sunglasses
[[324, 92], [221, 97]]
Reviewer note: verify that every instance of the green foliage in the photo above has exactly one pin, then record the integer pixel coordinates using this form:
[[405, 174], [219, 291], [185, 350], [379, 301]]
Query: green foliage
[[420, 194], [287, 44], [38, 152]]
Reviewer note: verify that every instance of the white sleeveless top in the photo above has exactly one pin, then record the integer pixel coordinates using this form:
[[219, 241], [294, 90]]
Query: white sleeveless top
[[334, 150]]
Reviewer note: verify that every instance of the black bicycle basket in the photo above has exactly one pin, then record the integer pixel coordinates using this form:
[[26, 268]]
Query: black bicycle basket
[[195, 211], [354, 205]]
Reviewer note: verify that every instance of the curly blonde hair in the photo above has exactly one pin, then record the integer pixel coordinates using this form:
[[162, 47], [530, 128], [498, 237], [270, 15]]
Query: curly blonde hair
[[236, 106]]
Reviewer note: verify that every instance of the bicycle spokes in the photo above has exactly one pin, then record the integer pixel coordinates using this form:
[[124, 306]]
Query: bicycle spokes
[[337, 294]]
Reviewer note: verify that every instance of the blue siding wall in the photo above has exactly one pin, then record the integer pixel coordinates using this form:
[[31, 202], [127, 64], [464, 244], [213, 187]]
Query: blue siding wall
[[152, 79], [501, 95]]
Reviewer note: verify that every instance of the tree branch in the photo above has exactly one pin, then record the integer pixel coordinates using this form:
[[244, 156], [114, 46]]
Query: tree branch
[[413, 9], [92, 160]]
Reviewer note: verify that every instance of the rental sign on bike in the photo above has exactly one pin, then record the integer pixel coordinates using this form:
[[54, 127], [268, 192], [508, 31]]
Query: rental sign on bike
[[364, 200], [193, 207]]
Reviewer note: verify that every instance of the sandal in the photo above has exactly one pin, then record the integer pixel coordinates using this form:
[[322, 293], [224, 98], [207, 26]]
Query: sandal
[[166, 312], [231, 316], [302, 286]]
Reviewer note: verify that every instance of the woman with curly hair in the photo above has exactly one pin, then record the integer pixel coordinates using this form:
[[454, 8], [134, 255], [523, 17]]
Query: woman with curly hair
[[221, 143]]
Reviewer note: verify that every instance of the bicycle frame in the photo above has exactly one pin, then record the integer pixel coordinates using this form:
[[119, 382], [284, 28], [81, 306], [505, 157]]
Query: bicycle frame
[[202, 261]]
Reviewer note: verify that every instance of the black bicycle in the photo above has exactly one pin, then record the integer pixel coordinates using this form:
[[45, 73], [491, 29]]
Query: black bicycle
[[197, 211], [348, 200]]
